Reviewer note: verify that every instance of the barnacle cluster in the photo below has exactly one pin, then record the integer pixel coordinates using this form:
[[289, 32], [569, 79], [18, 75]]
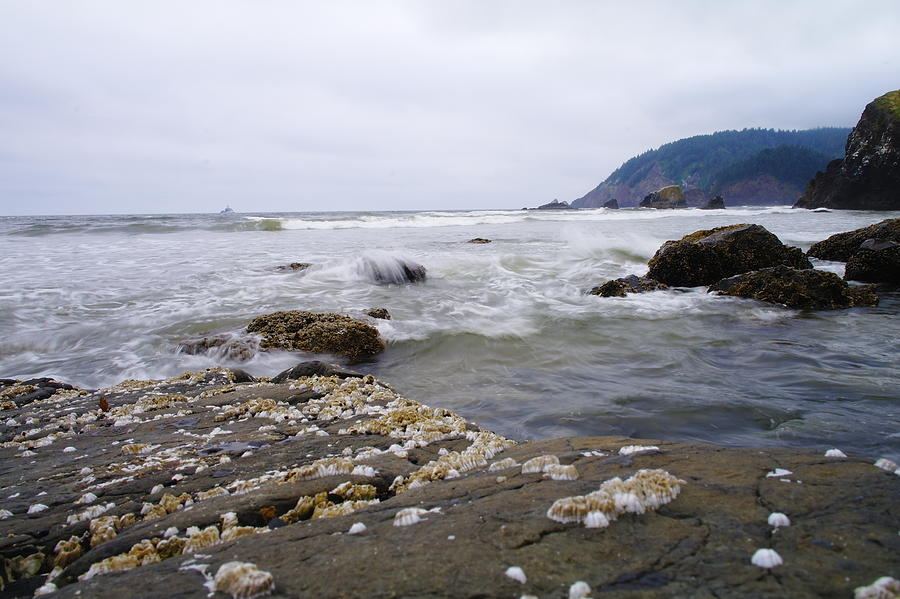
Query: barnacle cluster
[[645, 490], [243, 580]]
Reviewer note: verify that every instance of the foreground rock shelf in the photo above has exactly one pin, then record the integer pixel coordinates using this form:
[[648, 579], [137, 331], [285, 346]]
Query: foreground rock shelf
[[102, 490]]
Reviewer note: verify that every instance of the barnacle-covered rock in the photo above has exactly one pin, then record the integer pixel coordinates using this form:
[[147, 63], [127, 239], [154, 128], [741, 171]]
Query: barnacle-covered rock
[[318, 333], [170, 547], [198, 539], [539, 463], [243, 580], [67, 551]]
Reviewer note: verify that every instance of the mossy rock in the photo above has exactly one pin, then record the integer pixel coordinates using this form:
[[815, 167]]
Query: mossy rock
[[706, 256], [802, 289], [841, 246], [318, 333], [667, 197]]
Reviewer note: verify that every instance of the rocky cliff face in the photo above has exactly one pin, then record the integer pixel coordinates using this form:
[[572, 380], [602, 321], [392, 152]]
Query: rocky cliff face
[[868, 177]]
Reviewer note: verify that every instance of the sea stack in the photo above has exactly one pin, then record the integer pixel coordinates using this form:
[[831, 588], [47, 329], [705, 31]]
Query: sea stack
[[868, 177]]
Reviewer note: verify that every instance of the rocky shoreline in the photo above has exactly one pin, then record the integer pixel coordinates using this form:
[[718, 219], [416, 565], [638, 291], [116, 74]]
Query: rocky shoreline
[[334, 485]]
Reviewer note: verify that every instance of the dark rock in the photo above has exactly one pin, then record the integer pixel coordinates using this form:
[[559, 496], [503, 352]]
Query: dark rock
[[803, 289], [380, 313], [630, 284], [317, 333], [717, 203], [839, 247], [555, 205], [314, 368], [479, 240], [224, 346], [392, 270], [704, 257], [612, 204], [666, 198], [868, 177], [14, 392], [295, 266], [876, 261], [241, 376]]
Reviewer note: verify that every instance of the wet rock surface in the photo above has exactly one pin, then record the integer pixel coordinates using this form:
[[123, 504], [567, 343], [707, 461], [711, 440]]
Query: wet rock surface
[[804, 289], [295, 266], [625, 285], [876, 261], [326, 333], [392, 270], [841, 246], [222, 345], [380, 313], [707, 256], [180, 477]]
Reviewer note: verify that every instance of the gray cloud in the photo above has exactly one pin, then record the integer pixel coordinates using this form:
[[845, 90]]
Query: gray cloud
[[166, 106]]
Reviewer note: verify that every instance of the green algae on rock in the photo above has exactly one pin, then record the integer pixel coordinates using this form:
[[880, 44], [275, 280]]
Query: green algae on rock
[[706, 256], [803, 289], [326, 333]]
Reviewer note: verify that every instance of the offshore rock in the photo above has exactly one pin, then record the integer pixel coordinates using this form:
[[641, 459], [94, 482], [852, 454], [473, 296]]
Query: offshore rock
[[612, 204], [665, 198], [876, 261], [706, 256], [555, 205], [868, 177], [295, 266], [317, 333], [802, 289], [174, 511], [479, 240], [388, 269], [717, 203], [625, 285], [841, 246]]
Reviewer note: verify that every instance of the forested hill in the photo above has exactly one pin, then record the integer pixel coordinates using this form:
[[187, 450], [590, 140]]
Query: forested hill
[[753, 166]]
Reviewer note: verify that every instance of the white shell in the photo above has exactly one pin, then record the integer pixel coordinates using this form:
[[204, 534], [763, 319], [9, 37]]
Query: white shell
[[4, 514], [579, 590], [170, 532], [766, 558], [87, 498], [69, 449], [596, 520], [408, 516], [886, 464], [516, 573], [835, 453], [357, 528], [632, 449], [45, 589], [777, 519], [37, 507], [778, 472], [157, 489]]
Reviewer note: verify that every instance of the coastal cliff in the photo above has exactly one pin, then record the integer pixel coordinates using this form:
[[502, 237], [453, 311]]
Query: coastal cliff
[[868, 176], [753, 166]]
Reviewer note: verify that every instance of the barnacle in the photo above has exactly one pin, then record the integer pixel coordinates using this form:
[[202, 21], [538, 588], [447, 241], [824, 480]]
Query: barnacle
[[235, 532], [243, 580], [67, 551], [539, 464], [357, 528], [560, 472], [502, 464], [199, 539], [214, 492], [645, 490], [835, 453], [340, 509], [37, 507], [349, 491], [140, 554], [170, 547], [632, 449], [883, 463], [579, 590]]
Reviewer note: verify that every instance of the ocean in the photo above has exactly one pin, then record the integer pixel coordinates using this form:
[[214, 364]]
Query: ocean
[[503, 333]]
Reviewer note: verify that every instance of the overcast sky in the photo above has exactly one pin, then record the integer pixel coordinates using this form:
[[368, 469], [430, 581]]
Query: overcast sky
[[268, 105]]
